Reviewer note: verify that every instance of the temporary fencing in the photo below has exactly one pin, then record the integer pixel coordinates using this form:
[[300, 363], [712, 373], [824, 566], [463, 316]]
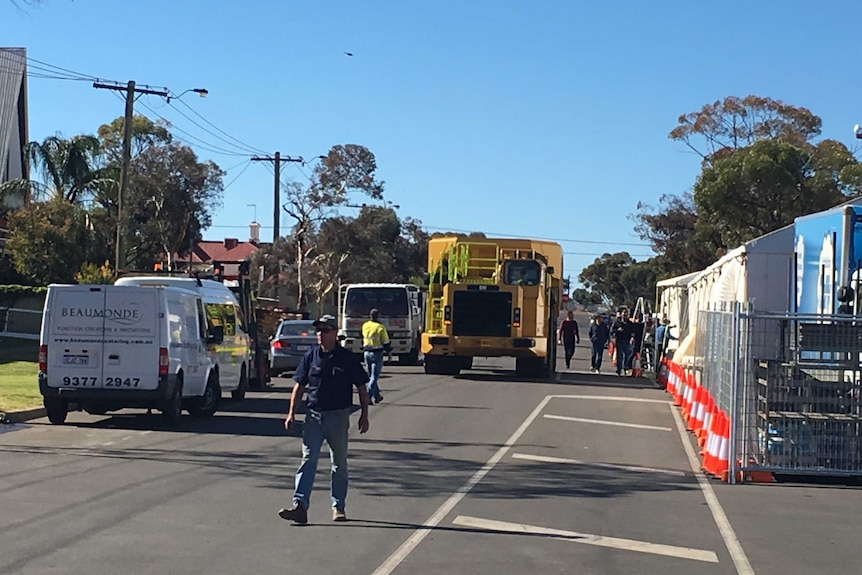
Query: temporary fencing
[[771, 393]]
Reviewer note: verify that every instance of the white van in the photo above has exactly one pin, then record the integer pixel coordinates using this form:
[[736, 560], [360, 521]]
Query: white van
[[104, 348], [231, 357]]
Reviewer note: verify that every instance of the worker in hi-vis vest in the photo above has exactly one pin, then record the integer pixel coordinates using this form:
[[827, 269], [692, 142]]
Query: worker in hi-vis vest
[[375, 340]]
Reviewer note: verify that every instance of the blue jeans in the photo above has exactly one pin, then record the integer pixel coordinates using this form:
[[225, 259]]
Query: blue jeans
[[623, 351], [374, 363], [333, 426], [596, 355]]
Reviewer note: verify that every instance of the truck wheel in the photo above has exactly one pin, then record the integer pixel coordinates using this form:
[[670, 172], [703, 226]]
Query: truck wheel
[[410, 358], [239, 393], [206, 405], [172, 408], [57, 409], [532, 367], [442, 365]]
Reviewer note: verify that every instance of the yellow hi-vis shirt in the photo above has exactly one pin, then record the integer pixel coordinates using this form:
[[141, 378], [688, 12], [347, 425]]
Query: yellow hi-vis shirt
[[374, 336]]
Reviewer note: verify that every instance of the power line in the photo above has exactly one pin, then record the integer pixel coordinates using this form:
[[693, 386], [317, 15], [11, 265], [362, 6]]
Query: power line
[[212, 148], [246, 150], [236, 177], [559, 240], [238, 141]]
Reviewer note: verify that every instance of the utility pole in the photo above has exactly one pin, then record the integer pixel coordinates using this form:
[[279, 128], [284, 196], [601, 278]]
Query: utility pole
[[130, 89], [276, 209]]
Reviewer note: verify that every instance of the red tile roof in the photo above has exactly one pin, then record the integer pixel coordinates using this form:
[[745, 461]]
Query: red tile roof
[[230, 250]]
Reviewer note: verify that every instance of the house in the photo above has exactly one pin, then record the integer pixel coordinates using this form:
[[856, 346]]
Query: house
[[228, 254], [13, 126]]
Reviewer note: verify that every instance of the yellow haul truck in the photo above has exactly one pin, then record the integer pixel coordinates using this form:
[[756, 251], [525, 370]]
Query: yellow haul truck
[[492, 298]]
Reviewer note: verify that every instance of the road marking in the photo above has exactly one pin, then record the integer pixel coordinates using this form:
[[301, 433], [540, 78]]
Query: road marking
[[603, 422], [400, 554], [740, 560], [126, 438], [614, 398], [108, 443], [589, 539], [146, 432], [635, 468]]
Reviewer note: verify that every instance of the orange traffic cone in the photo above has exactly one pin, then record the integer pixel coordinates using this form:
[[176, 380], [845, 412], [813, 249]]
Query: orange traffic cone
[[722, 465]]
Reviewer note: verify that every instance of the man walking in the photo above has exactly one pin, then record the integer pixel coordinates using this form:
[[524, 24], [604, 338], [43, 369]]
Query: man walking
[[622, 332], [568, 336], [328, 373], [599, 336], [375, 340]]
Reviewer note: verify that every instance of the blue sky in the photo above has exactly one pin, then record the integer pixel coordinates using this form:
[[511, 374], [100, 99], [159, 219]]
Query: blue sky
[[542, 118]]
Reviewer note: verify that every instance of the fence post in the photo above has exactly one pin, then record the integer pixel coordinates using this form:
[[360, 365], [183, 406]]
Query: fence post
[[734, 391]]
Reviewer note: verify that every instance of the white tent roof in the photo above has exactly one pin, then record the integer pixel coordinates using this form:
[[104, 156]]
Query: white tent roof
[[678, 281]]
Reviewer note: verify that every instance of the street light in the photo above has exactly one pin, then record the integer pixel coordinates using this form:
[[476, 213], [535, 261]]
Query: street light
[[202, 92], [255, 210], [315, 158]]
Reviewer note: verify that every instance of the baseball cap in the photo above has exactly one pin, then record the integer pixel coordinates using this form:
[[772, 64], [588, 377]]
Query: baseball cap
[[326, 321]]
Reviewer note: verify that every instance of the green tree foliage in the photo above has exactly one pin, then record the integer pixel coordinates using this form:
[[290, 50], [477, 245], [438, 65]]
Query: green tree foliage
[[760, 169], [346, 169], [586, 297], [619, 278], [66, 168], [91, 273], [718, 129], [683, 241], [50, 240], [170, 197], [766, 185]]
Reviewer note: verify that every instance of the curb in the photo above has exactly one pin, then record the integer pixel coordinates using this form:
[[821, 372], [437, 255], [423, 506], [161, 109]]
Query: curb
[[23, 415]]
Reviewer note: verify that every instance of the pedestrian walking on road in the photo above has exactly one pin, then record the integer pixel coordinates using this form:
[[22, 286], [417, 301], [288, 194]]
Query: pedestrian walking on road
[[599, 336], [622, 332], [375, 340], [568, 336], [328, 373]]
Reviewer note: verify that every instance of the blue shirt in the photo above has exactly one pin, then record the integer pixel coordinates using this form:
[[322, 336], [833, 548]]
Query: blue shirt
[[329, 378]]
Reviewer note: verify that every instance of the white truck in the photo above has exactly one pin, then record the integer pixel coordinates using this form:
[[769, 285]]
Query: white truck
[[400, 307], [104, 348]]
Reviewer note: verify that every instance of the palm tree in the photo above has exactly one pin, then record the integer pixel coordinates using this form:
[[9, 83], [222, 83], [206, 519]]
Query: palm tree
[[66, 170]]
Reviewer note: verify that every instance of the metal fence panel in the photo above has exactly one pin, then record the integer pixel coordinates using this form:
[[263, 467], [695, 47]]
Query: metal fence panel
[[798, 394]]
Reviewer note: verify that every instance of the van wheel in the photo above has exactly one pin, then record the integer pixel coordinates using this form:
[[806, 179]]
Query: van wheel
[[206, 405], [239, 393], [57, 409], [172, 408]]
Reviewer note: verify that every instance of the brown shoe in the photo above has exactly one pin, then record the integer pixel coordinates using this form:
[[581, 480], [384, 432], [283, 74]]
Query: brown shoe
[[339, 515], [297, 514]]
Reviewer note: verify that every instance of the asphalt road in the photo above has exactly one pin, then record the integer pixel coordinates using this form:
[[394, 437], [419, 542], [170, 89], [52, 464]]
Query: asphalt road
[[479, 474]]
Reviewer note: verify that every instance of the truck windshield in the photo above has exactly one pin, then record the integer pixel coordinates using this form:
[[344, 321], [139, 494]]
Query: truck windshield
[[390, 301]]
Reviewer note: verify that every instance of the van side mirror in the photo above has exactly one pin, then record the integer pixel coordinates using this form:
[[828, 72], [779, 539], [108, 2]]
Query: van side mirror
[[216, 335], [426, 278], [550, 270]]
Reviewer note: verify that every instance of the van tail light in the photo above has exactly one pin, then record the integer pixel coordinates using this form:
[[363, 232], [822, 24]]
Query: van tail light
[[447, 315], [163, 361], [516, 317], [43, 358]]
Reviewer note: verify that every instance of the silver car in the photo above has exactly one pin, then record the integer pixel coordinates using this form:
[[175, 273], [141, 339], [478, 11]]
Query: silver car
[[292, 339]]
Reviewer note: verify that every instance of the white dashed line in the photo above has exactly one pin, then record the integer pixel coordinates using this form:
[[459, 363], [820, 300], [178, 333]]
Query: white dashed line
[[635, 468], [740, 560], [603, 422], [400, 554], [589, 539]]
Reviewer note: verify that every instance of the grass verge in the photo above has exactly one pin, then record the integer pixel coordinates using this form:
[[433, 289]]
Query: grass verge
[[19, 387]]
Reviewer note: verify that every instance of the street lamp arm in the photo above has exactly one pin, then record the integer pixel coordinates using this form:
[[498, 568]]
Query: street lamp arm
[[202, 92]]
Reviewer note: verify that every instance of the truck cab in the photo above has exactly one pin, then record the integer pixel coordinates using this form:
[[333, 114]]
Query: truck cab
[[400, 307]]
